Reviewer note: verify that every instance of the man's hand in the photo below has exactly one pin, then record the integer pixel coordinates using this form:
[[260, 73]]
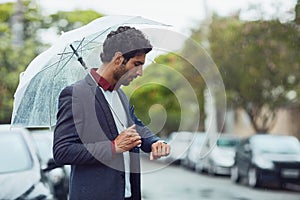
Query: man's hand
[[127, 139], [159, 149]]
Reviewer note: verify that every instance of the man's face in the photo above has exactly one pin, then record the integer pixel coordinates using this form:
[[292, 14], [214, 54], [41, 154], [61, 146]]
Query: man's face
[[126, 73]]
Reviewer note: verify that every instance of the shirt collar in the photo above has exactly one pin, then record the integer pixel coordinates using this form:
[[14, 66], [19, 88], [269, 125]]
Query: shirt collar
[[102, 82]]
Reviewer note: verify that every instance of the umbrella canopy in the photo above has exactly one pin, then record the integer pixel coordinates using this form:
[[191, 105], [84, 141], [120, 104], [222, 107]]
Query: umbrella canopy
[[36, 97]]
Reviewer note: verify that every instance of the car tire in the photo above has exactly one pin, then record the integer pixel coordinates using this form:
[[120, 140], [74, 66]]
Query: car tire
[[199, 168], [192, 166], [234, 174], [253, 180], [211, 170]]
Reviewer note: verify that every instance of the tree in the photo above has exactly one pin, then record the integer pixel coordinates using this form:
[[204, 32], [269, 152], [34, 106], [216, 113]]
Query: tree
[[260, 65], [14, 59], [297, 13], [164, 84], [154, 89], [66, 21]]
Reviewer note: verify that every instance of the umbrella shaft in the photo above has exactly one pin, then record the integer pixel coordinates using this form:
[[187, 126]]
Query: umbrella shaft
[[79, 57]]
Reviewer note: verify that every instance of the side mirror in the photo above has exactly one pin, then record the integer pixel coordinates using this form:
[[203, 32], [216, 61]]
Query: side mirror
[[51, 164]]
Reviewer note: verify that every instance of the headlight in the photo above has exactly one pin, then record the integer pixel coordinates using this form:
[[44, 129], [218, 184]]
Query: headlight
[[225, 162], [222, 158], [263, 163]]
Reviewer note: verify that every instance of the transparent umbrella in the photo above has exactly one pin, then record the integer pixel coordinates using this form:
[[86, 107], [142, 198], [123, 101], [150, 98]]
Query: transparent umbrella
[[36, 97]]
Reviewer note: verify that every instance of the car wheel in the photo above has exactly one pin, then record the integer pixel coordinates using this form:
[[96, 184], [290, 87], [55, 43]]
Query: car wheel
[[234, 175], [211, 170], [199, 168], [253, 178], [192, 166]]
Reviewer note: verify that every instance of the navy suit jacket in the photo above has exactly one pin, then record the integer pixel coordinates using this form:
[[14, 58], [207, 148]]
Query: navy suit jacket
[[83, 139]]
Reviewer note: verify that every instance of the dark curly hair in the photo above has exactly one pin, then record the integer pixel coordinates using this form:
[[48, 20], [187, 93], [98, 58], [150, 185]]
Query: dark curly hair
[[127, 40]]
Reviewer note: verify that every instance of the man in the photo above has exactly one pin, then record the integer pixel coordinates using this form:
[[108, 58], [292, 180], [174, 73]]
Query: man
[[97, 132]]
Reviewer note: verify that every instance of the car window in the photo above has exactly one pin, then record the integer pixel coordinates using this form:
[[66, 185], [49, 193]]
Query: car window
[[278, 145], [14, 154], [227, 142]]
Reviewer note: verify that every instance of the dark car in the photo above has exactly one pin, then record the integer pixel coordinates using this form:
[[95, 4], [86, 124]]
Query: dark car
[[221, 157], [58, 177], [21, 176], [267, 160]]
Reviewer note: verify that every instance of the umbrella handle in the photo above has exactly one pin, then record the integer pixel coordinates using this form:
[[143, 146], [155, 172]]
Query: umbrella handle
[[79, 57]]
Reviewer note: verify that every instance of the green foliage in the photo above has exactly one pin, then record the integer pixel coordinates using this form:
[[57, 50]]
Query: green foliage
[[15, 59], [151, 94], [6, 10], [264, 59], [32, 19], [167, 83], [66, 21], [297, 13]]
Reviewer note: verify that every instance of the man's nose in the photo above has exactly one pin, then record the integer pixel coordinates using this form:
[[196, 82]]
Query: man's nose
[[139, 71]]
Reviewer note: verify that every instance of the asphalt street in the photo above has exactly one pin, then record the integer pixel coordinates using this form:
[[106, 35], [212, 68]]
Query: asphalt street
[[161, 182]]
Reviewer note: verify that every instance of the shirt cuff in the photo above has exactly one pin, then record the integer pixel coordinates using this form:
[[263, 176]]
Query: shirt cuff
[[113, 148]]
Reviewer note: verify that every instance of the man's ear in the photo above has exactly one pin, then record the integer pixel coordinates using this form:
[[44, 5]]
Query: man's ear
[[118, 58]]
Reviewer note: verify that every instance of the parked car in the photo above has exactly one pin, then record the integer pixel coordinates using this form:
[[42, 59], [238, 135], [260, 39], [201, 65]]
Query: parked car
[[21, 176], [179, 143], [221, 157], [58, 177], [193, 152], [267, 160]]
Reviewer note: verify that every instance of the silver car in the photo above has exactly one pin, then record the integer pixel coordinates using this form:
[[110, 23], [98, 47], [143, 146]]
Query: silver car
[[221, 158], [59, 176], [193, 153], [21, 176], [179, 143]]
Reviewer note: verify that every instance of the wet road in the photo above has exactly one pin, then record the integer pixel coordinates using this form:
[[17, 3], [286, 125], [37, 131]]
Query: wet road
[[161, 182]]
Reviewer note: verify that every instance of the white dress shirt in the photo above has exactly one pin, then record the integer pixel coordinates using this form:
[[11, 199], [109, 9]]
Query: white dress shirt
[[119, 114]]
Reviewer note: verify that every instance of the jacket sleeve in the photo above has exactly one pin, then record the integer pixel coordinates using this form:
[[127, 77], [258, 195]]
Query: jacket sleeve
[[148, 137], [68, 147]]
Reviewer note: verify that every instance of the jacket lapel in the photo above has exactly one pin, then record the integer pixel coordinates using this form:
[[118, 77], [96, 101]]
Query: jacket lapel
[[103, 104], [126, 108]]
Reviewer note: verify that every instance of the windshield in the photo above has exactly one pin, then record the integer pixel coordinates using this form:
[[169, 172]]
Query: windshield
[[227, 142], [14, 154], [280, 145]]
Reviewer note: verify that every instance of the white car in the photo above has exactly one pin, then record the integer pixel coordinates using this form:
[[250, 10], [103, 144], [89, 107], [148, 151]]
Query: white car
[[59, 176], [221, 158], [179, 143], [194, 151], [21, 176]]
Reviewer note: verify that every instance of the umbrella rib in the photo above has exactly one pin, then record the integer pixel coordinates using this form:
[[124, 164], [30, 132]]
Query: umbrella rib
[[98, 35], [72, 53], [63, 66], [54, 75], [82, 49], [61, 59], [88, 42]]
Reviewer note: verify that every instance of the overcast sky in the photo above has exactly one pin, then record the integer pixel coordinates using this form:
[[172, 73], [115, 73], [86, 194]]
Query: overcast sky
[[182, 14]]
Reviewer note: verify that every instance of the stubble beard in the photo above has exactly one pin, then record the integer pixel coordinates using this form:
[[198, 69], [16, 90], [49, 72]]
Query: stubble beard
[[120, 73]]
